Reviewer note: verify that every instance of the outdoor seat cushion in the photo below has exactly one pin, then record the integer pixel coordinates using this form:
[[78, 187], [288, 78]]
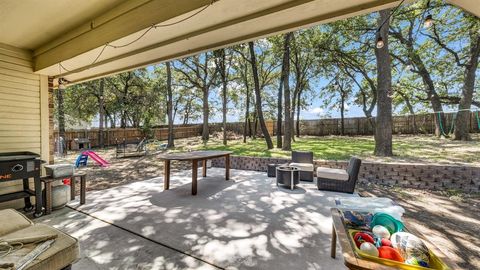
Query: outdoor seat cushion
[[329, 173], [303, 166], [60, 170], [63, 252], [12, 221]]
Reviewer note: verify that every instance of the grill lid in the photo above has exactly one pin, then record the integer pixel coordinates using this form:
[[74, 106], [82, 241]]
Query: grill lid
[[12, 156]]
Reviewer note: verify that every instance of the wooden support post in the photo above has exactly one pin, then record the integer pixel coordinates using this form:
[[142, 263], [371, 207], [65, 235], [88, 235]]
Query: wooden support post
[[166, 175], [227, 167], [72, 188], [204, 168], [333, 251], [48, 197], [83, 188], [194, 176]]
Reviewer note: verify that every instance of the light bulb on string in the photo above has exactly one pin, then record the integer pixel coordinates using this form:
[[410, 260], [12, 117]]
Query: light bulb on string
[[62, 83], [380, 43], [428, 21]]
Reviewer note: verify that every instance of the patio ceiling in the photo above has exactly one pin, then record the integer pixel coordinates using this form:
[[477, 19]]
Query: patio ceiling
[[74, 32]]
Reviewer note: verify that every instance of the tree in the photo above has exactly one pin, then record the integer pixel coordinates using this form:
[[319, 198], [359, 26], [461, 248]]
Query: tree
[[222, 69], [258, 96], [466, 58], [287, 137], [383, 128], [171, 133], [61, 119], [335, 94], [199, 73], [303, 60], [101, 113], [411, 54]]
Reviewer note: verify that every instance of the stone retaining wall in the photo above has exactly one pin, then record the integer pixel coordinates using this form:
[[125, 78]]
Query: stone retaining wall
[[423, 176]]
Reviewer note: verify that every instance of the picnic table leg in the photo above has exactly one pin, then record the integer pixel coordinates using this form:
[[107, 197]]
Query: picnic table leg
[[72, 188], [204, 167], [194, 176], [48, 197], [334, 243], [83, 188], [227, 167], [166, 175]]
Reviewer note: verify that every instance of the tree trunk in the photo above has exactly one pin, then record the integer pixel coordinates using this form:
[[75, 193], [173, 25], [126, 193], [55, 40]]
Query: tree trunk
[[246, 126], [258, 98], [297, 123], [253, 129], [292, 116], [342, 114], [279, 111], [171, 134], [205, 132], [101, 113], [461, 122], [383, 130], [287, 135], [61, 120], [223, 73]]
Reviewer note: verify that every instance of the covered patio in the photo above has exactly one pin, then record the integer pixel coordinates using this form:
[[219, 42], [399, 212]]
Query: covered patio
[[244, 223], [247, 222]]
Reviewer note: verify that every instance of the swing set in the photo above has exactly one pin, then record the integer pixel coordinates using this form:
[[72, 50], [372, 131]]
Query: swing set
[[452, 126]]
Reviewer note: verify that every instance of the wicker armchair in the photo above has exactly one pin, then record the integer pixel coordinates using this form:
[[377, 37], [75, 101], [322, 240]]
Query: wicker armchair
[[304, 162], [338, 179]]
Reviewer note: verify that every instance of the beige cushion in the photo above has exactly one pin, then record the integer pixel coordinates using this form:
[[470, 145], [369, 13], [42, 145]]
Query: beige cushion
[[329, 173], [11, 220], [64, 251], [303, 166]]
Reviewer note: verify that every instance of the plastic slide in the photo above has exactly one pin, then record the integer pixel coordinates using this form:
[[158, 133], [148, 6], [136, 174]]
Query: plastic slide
[[102, 162]]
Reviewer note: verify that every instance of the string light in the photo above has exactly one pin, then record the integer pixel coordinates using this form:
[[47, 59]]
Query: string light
[[61, 84], [380, 43], [154, 26], [428, 21]]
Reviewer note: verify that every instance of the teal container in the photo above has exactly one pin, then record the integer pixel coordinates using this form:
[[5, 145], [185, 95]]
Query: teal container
[[393, 225]]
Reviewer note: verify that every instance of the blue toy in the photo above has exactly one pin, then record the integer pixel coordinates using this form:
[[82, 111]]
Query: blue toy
[[81, 160]]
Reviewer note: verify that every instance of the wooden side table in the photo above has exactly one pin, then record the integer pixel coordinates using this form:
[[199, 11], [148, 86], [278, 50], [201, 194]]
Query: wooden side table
[[48, 180], [352, 261]]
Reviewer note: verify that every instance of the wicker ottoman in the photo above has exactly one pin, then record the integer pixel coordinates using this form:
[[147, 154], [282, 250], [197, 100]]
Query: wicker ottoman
[[271, 169]]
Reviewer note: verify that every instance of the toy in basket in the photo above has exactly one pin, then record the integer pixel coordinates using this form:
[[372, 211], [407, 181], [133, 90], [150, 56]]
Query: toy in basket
[[387, 242]]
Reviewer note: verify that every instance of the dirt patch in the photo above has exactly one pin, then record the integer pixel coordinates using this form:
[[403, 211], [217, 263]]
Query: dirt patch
[[121, 170], [450, 220]]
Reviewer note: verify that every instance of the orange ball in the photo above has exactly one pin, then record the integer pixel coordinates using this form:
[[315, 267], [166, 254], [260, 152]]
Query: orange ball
[[386, 252]]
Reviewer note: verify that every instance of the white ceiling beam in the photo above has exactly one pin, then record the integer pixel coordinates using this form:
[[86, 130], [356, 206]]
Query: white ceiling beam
[[122, 21]]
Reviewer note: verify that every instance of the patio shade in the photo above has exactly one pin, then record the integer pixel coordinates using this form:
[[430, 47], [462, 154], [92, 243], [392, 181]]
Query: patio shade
[[74, 32]]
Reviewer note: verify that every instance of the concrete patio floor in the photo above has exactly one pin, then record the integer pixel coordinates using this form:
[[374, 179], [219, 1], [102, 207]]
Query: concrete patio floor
[[245, 223]]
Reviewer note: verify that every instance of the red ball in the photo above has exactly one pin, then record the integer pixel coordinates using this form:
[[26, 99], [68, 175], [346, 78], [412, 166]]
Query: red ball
[[361, 237], [390, 253], [386, 242]]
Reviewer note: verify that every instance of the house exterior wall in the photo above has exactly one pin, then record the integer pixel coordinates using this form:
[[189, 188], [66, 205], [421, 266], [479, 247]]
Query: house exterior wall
[[24, 111]]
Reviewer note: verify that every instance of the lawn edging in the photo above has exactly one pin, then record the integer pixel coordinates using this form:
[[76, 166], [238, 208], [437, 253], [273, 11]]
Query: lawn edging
[[409, 175]]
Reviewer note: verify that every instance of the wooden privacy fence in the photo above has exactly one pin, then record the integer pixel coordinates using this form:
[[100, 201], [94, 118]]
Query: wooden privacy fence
[[131, 135], [425, 123], [134, 135]]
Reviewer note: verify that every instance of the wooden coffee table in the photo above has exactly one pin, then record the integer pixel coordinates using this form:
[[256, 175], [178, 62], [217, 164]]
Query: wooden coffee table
[[194, 157]]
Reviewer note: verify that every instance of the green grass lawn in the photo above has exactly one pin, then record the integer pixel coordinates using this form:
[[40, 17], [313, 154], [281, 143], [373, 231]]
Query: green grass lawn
[[426, 149]]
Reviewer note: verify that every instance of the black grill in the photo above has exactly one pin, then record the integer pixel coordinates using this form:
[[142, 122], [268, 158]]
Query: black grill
[[22, 165]]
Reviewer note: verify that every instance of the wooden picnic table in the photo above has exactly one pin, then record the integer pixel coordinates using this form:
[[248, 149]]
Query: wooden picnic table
[[352, 261], [194, 157]]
